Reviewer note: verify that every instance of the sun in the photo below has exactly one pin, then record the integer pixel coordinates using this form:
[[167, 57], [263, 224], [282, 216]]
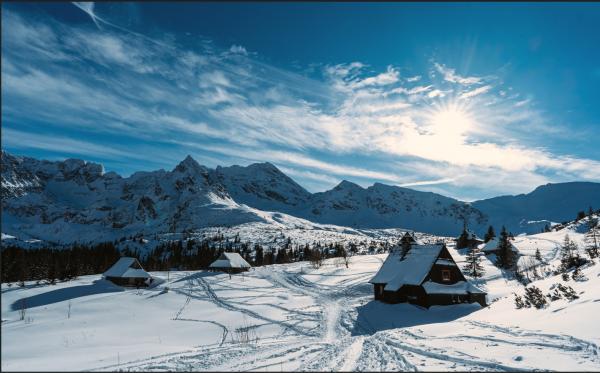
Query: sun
[[450, 120]]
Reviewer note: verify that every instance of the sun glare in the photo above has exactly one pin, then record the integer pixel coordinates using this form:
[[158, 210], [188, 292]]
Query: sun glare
[[451, 121]]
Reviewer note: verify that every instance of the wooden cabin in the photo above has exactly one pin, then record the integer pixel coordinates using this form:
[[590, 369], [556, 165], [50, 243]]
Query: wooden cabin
[[230, 263], [426, 275], [128, 272], [467, 239], [408, 239]]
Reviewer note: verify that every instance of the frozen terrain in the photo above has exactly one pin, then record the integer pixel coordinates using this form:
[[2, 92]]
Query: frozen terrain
[[63, 202], [295, 317]]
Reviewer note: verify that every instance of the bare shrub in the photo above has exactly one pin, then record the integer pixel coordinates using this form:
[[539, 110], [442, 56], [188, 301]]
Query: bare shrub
[[245, 334], [316, 258], [22, 309]]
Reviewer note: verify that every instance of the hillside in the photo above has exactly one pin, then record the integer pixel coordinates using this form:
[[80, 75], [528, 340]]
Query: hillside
[[547, 204], [61, 202], [300, 318]]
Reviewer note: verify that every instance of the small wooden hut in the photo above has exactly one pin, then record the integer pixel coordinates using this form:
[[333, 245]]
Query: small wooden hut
[[467, 239], [426, 275], [230, 263], [128, 272]]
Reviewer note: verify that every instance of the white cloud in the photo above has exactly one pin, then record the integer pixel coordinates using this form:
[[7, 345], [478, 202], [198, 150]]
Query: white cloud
[[64, 145], [195, 97], [411, 91], [436, 93], [428, 182], [386, 78], [522, 102], [475, 92], [238, 49], [451, 76]]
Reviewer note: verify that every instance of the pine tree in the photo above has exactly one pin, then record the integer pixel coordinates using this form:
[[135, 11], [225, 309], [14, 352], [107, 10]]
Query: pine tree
[[505, 258], [490, 234], [259, 260], [538, 255], [591, 237], [473, 266], [569, 254]]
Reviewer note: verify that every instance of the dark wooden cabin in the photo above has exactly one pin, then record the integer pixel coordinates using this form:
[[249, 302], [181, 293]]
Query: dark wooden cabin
[[426, 275], [467, 239], [128, 272], [230, 263], [408, 239]]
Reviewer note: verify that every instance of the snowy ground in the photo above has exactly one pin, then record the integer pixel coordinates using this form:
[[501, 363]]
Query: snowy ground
[[300, 319]]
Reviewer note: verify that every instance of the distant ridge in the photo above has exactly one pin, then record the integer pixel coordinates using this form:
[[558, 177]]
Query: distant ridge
[[64, 200]]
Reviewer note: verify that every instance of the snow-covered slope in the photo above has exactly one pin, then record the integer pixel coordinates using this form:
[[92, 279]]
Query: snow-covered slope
[[384, 206], [548, 203], [299, 318], [74, 200], [263, 186]]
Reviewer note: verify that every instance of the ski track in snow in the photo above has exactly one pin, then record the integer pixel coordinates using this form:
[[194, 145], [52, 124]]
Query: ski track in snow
[[333, 347], [327, 334]]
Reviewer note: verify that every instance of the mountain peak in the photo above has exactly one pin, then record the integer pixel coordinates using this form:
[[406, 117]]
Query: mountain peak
[[345, 184], [268, 166], [188, 163]]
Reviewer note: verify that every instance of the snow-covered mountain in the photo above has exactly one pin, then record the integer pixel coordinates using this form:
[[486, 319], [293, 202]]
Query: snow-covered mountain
[[547, 204], [263, 186], [385, 206], [74, 200]]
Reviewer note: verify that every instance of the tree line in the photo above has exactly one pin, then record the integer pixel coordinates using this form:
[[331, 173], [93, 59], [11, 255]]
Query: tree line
[[52, 264]]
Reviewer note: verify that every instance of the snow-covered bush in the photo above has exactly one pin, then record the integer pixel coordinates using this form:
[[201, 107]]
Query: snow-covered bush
[[568, 292], [519, 303], [533, 298], [577, 275]]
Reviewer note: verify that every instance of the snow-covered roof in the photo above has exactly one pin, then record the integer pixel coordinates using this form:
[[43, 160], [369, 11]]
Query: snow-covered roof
[[492, 245], [445, 262], [412, 270], [409, 234], [126, 267], [230, 260], [461, 287], [471, 234]]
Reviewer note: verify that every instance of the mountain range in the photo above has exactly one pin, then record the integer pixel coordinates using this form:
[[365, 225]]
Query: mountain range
[[75, 200]]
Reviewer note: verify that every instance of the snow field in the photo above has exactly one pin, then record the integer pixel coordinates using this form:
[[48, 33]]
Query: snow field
[[302, 318]]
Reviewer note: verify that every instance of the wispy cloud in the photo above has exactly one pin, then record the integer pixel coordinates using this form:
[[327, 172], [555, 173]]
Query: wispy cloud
[[427, 182], [475, 92], [450, 75], [119, 83], [25, 140], [238, 49]]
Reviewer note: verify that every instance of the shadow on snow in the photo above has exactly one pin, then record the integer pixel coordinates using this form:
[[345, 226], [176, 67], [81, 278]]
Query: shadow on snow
[[376, 316], [200, 274], [63, 294]]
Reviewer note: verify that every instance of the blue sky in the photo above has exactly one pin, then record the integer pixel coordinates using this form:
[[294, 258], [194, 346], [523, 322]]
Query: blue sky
[[467, 100]]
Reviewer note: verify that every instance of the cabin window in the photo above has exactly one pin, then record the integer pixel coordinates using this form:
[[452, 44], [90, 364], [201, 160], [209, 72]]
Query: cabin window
[[445, 275]]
